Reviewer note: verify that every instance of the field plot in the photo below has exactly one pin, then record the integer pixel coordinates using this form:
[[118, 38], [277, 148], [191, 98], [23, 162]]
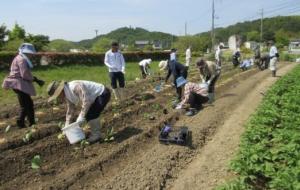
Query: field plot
[[135, 159]]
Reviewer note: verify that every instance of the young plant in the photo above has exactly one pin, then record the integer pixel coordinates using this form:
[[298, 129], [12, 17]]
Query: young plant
[[7, 128], [36, 162], [110, 135]]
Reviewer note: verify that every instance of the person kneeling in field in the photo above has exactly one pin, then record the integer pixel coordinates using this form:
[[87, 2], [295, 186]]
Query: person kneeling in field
[[209, 74], [93, 97], [195, 95], [145, 67]]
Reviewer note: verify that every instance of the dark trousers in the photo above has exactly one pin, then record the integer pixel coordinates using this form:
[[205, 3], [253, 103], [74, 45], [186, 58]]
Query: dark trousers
[[184, 74], [196, 100], [117, 77], [98, 106], [144, 75], [26, 109], [211, 87]]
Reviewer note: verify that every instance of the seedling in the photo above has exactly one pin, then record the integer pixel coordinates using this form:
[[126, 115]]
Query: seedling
[[61, 136], [36, 162], [7, 128], [61, 125], [84, 143], [28, 134], [110, 135]]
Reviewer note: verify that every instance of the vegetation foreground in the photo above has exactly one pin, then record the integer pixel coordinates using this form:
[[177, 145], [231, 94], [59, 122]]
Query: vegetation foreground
[[270, 148]]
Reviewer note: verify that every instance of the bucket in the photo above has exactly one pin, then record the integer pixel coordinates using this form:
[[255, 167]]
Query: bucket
[[74, 133]]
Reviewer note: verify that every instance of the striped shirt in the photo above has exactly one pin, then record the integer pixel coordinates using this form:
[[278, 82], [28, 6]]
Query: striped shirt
[[192, 87]]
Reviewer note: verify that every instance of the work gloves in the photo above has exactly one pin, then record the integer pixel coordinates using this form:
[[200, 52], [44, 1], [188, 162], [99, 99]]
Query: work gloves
[[38, 81]]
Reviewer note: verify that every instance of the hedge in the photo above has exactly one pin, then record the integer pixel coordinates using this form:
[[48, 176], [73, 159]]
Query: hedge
[[47, 58]]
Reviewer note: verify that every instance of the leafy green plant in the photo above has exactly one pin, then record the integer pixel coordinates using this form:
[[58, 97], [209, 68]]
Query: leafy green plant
[[110, 135], [270, 147], [36, 162], [84, 143]]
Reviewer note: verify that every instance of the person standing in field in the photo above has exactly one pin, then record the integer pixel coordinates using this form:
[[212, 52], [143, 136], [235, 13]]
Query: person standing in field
[[218, 56], [92, 96], [145, 67], [20, 80], [188, 57], [273, 58], [209, 74], [115, 62]]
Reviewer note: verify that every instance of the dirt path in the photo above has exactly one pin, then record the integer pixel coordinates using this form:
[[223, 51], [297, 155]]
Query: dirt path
[[209, 168]]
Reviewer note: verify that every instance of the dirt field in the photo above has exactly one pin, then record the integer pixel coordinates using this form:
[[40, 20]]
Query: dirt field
[[136, 160]]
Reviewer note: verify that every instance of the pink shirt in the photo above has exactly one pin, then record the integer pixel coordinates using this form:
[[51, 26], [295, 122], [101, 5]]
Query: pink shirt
[[20, 77]]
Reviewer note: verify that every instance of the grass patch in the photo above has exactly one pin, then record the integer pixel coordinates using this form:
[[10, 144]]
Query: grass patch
[[72, 72]]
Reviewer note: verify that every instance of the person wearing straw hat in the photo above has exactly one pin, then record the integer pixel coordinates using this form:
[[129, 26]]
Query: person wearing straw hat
[[177, 70], [20, 80], [145, 67], [115, 62], [93, 97], [195, 95], [209, 74]]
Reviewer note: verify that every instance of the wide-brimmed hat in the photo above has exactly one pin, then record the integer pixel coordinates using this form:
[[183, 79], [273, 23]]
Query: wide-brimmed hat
[[180, 81], [27, 48], [54, 89], [163, 65]]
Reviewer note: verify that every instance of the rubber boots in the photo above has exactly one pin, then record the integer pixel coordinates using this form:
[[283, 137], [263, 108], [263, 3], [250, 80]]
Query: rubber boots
[[122, 94], [273, 73], [116, 94], [211, 97], [95, 130]]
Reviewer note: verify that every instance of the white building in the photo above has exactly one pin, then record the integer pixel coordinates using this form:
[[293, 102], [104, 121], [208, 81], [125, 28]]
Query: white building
[[234, 42], [250, 44]]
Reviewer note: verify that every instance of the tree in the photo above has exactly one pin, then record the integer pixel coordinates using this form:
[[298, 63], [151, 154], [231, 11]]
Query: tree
[[102, 45], [253, 36], [13, 45], [198, 43], [148, 48], [17, 32], [3, 34], [39, 41], [282, 38], [61, 46]]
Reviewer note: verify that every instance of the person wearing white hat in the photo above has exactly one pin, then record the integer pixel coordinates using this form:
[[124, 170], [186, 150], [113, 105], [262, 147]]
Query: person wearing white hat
[[20, 80], [145, 67], [177, 70], [93, 97]]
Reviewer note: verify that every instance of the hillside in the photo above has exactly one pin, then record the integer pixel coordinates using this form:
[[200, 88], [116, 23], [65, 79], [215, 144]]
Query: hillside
[[289, 25], [128, 35]]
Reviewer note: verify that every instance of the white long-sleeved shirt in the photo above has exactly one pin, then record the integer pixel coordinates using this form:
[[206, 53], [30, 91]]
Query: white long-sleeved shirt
[[273, 51], [173, 56], [114, 61], [218, 54], [82, 91], [188, 54], [145, 62]]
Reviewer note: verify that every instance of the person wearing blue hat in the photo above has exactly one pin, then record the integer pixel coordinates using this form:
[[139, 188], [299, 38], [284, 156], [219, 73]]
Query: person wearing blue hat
[[177, 70], [20, 80]]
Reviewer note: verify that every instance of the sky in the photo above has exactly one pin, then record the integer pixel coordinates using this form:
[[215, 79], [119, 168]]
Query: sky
[[76, 20]]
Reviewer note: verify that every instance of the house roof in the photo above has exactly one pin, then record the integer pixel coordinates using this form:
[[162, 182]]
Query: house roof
[[142, 42]]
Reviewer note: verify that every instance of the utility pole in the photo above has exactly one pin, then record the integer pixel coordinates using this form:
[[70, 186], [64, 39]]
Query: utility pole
[[96, 32], [261, 25], [213, 26], [185, 28]]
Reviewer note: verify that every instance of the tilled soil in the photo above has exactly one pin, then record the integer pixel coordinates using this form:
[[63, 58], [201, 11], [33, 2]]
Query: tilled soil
[[135, 160]]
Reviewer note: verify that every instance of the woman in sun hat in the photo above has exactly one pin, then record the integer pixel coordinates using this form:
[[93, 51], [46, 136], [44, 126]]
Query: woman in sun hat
[[93, 97], [20, 80]]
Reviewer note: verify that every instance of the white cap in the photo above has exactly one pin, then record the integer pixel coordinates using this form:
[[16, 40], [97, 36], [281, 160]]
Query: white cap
[[27, 48]]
